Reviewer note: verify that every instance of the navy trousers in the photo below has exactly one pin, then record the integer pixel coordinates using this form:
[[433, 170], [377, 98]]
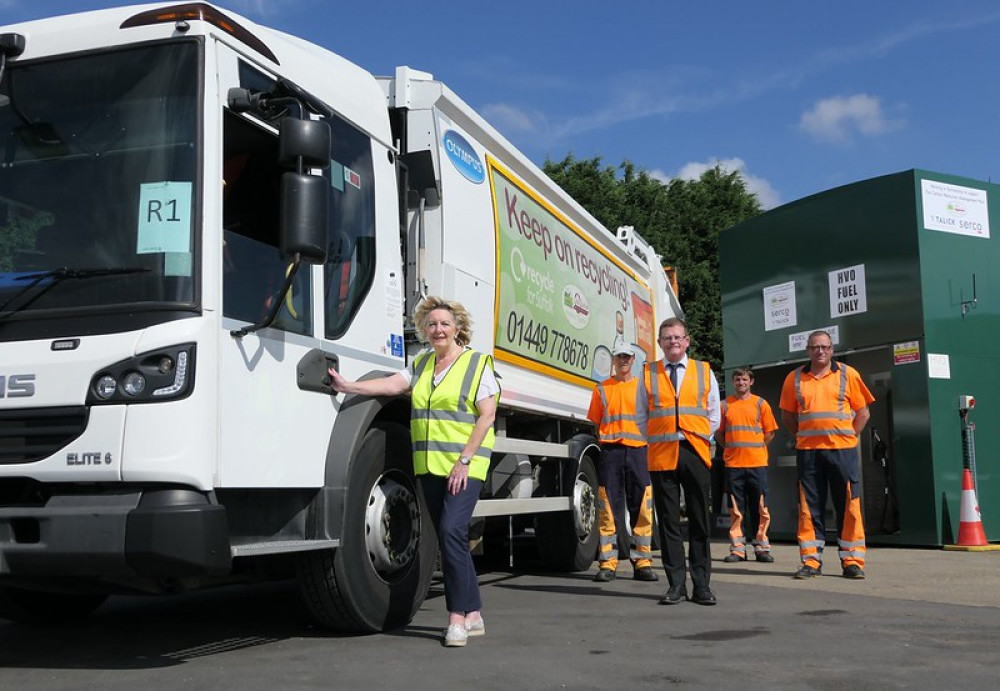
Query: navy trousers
[[451, 515]]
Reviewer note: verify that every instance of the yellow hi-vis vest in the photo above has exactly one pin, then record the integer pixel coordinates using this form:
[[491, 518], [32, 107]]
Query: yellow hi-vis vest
[[689, 409], [442, 417]]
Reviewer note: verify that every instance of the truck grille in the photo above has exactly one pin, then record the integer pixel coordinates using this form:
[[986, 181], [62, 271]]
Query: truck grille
[[36, 433]]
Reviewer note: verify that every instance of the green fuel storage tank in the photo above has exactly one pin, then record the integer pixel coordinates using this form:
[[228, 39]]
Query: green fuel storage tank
[[902, 271]]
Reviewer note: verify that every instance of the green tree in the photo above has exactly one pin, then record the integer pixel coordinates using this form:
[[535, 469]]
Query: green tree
[[681, 219]]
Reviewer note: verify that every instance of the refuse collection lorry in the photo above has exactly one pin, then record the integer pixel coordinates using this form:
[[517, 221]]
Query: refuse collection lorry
[[198, 216]]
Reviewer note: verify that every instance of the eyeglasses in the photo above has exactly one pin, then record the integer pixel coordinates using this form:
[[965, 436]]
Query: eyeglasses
[[823, 348], [673, 339]]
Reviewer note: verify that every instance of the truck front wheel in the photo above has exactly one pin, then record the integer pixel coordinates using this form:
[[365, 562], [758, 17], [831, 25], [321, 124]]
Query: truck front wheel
[[378, 577]]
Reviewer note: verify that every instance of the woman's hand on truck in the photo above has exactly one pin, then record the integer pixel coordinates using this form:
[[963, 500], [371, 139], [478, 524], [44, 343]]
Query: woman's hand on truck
[[393, 385]]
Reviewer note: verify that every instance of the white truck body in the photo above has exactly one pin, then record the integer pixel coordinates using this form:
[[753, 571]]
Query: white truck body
[[145, 446]]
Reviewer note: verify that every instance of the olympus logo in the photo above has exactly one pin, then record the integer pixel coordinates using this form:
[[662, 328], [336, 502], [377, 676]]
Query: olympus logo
[[17, 386]]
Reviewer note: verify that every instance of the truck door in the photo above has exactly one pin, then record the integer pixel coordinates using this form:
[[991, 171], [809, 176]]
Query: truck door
[[260, 400]]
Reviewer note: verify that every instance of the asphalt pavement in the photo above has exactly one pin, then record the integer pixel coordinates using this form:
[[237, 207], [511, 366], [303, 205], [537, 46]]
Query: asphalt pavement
[[924, 618]]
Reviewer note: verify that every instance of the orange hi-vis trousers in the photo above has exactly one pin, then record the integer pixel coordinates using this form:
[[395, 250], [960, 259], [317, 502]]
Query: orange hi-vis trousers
[[837, 471], [624, 485], [747, 492]]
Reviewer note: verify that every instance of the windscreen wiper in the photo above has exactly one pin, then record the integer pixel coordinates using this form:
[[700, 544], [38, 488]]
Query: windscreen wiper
[[57, 276]]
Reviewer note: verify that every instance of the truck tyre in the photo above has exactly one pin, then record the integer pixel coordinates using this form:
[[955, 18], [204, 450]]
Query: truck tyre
[[39, 607], [568, 541], [379, 576]]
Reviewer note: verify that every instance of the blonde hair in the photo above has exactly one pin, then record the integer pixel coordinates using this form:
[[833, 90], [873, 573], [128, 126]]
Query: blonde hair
[[463, 322]]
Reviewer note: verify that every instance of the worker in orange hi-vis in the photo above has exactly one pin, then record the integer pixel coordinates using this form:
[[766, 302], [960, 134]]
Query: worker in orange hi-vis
[[618, 408], [825, 405], [746, 427]]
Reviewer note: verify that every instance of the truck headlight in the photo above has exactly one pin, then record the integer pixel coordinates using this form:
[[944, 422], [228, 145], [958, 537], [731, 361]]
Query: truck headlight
[[106, 387], [134, 383], [166, 374]]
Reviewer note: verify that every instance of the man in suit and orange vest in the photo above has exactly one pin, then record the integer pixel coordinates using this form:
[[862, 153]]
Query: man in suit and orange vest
[[746, 428], [825, 405], [618, 409], [683, 416]]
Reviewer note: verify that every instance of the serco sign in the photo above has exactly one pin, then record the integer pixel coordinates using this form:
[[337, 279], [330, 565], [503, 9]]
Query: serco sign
[[464, 157]]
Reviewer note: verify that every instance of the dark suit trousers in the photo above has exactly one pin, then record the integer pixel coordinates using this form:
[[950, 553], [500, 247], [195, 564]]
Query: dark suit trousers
[[694, 477]]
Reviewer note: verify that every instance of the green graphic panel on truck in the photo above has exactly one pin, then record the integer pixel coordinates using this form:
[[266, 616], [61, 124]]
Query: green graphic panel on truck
[[562, 303]]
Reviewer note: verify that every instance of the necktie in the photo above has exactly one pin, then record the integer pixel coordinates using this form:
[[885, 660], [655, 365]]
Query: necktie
[[673, 376], [677, 394]]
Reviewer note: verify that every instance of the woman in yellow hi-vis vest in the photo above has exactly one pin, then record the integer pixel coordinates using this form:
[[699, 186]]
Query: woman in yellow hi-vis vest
[[454, 399]]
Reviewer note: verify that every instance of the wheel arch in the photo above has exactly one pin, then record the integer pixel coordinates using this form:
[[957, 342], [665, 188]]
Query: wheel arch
[[355, 417]]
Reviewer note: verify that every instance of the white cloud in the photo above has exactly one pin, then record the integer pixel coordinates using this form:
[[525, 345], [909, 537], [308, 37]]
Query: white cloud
[[510, 119], [766, 194], [837, 118]]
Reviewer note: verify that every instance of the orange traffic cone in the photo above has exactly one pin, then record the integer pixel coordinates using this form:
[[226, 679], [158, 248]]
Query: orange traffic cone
[[971, 536]]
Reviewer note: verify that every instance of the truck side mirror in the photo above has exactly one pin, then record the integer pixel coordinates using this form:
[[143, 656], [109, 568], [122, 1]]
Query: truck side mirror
[[307, 141], [304, 204]]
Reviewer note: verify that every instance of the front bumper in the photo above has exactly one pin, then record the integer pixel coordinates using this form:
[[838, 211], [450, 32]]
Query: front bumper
[[115, 533]]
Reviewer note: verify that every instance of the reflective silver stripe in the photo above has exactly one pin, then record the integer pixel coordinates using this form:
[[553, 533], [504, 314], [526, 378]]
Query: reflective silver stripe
[[701, 385], [607, 438], [818, 544], [853, 554], [642, 540], [745, 428], [641, 405], [619, 418], [851, 545], [604, 403], [824, 432], [842, 396], [738, 547], [445, 415], [745, 444], [420, 364], [659, 438], [465, 394], [762, 544], [654, 383], [609, 539], [830, 415], [448, 447], [635, 554], [683, 410]]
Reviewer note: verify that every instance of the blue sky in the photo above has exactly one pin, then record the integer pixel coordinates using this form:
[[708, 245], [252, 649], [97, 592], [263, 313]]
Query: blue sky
[[798, 96]]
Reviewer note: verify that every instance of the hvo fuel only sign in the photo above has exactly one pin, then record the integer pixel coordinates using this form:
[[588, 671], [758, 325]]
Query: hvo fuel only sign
[[847, 291]]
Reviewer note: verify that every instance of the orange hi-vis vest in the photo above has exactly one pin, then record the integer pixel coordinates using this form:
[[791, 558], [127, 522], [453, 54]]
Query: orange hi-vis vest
[[615, 409], [825, 417], [743, 421], [673, 418]]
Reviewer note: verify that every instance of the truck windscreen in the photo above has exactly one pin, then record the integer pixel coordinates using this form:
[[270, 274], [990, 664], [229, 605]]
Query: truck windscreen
[[98, 165]]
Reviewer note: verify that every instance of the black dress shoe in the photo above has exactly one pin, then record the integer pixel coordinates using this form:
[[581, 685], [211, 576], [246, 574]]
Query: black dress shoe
[[703, 596], [604, 575], [645, 573], [674, 595]]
